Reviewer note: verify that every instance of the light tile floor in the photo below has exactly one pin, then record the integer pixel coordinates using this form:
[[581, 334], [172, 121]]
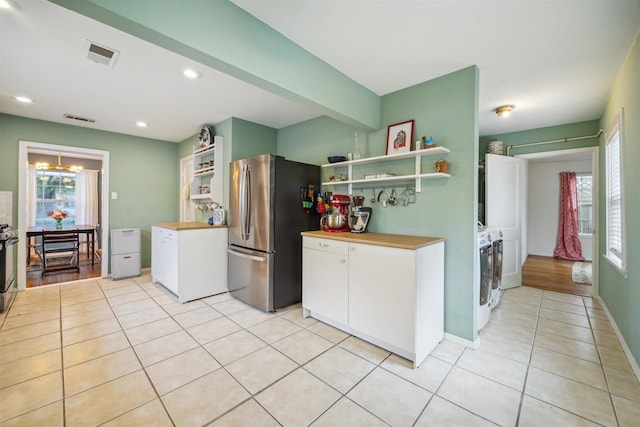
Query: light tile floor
[[125, 353]]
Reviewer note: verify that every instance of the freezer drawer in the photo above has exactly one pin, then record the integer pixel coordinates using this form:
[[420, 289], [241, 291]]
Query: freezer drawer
[[125, 240], [125, 265], [251, 277]]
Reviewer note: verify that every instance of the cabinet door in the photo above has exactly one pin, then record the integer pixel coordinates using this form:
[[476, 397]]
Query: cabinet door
[[324, 284], [157, 266], [382, 293], [170, 259]]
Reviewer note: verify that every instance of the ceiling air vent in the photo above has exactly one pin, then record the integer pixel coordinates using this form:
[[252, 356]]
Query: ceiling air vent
[[80, 119], [101, 54]]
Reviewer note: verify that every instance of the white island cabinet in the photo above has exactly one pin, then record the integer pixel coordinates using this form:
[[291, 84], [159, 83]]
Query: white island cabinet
[[189, 259], [386, 289]]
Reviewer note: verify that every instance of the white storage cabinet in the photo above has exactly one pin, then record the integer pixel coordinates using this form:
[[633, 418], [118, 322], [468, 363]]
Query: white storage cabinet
[[191, 263], [125, 253], [391, 297]]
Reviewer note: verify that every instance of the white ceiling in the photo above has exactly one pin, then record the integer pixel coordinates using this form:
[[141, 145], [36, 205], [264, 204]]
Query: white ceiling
[[555, 60]]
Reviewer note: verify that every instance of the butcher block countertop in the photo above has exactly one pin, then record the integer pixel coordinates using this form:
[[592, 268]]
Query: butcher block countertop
[[179, 226], [392, 240]]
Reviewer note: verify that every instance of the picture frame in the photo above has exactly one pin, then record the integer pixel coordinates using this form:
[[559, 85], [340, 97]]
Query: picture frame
[[399, 137]]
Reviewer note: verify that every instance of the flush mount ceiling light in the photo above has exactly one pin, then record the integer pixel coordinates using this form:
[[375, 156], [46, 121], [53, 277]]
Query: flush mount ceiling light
[[23, 99], [141, 124], [192, 74], [59, 167], [505, 110]]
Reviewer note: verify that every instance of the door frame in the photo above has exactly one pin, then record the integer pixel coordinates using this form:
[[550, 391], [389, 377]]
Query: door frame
[[185, 179], [26, 147], [596, 191]]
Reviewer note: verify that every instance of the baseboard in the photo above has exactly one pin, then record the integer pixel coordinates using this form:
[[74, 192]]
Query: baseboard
[[471, 344], [625, 347]]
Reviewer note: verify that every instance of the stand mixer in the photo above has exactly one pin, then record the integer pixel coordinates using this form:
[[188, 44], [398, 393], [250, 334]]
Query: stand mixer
[[359, 216], [337, 221]]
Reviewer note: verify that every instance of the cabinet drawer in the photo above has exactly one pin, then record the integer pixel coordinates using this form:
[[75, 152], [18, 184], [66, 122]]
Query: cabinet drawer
[[327, 245], [168, 233]]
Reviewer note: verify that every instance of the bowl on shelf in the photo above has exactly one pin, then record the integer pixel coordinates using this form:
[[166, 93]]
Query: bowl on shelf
[[336, 159]]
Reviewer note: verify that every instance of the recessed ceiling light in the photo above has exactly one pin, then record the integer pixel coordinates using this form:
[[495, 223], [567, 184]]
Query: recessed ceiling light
[[141, 124], [505, 110], [9, 4], [23, 98], [192, 74]]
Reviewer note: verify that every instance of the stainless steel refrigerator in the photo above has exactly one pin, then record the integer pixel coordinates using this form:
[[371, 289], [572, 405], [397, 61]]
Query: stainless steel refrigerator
[[265, 221]]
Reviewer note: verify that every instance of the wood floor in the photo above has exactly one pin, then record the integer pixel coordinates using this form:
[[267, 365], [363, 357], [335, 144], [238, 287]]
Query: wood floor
[[552, 274], [87, 271]]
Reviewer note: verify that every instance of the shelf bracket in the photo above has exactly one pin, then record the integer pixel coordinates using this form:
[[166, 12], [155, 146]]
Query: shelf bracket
[[418, 186]]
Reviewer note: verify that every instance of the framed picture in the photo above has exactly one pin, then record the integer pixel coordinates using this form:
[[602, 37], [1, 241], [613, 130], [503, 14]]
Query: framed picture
[[399, 137]]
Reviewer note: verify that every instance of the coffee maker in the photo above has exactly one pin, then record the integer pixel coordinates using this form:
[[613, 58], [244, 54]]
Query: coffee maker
[[360, 216], [337, 220]]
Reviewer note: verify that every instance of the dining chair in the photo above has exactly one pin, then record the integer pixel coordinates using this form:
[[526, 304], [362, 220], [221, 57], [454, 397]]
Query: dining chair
[[60, 251]]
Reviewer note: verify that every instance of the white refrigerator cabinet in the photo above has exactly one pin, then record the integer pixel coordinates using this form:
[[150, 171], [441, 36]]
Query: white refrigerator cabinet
[[191, 262]]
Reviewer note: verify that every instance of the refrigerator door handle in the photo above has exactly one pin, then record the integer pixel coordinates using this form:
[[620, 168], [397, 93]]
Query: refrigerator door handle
[[246, 256], [242, 202], [247, 203]]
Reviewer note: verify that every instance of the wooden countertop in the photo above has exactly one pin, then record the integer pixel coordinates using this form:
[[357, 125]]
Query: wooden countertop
[[179, 226], [380, 239]]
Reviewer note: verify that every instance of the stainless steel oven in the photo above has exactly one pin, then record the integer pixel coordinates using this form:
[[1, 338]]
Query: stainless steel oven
[[8, 238]]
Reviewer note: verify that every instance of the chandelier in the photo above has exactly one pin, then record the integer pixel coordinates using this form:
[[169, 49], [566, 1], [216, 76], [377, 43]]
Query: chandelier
[[59, 167]]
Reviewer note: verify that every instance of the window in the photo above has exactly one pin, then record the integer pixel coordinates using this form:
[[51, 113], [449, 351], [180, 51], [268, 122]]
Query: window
[[615, 226], [584, 184], [55, 190]]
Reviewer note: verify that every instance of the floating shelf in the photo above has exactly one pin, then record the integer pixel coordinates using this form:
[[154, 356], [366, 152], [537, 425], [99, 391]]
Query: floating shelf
[[417, 176]]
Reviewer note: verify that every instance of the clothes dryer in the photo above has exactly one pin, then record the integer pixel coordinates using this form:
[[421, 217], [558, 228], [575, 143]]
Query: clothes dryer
[[485, 277], [496, 283]]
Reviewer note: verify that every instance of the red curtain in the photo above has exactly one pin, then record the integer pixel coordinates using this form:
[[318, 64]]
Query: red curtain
[[568, 244]]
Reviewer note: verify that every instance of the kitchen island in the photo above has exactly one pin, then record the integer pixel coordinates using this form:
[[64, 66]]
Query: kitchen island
[[189, 258], [387, 289]]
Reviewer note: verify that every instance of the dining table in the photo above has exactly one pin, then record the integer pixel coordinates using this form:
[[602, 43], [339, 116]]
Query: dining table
[[87, 229]]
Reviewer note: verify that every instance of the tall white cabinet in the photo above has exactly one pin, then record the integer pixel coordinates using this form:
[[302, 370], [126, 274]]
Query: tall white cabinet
[[385, 289], [189, 259]]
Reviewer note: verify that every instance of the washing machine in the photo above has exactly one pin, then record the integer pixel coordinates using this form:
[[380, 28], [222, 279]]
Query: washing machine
[[496, 242], [485, 277]]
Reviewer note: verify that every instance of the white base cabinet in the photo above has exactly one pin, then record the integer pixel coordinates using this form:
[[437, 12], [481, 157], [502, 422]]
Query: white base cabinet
[[391, 297], [190, 263]]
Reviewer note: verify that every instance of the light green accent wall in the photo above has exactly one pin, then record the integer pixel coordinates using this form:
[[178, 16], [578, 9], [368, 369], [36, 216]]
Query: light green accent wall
[[622, 296], [144, 172], [445, 108], [225, 37], [251, 139], [545, 134]]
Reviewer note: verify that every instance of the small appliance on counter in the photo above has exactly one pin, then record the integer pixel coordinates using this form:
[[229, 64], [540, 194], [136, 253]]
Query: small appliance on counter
[[360, 216], [337, 219]]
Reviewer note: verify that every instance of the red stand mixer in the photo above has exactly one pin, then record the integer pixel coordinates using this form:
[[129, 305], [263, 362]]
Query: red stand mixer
[[337, 220]]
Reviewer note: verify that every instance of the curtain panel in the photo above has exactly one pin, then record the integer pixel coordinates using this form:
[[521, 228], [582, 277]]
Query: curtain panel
[[568, 243]]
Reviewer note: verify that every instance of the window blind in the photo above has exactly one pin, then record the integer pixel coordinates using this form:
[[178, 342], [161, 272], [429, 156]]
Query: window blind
[[614, 202]]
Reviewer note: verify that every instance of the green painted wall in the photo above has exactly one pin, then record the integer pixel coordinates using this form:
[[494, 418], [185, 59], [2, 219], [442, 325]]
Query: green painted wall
[[225, 37], [143, 171], [445, 108], [622, 296], [545, 134]]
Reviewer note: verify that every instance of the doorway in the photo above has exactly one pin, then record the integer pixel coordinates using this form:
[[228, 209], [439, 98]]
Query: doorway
[[26, 147], [540, 268]]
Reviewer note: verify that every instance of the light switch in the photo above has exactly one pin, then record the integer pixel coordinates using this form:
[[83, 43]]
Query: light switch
[[114, 195]]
